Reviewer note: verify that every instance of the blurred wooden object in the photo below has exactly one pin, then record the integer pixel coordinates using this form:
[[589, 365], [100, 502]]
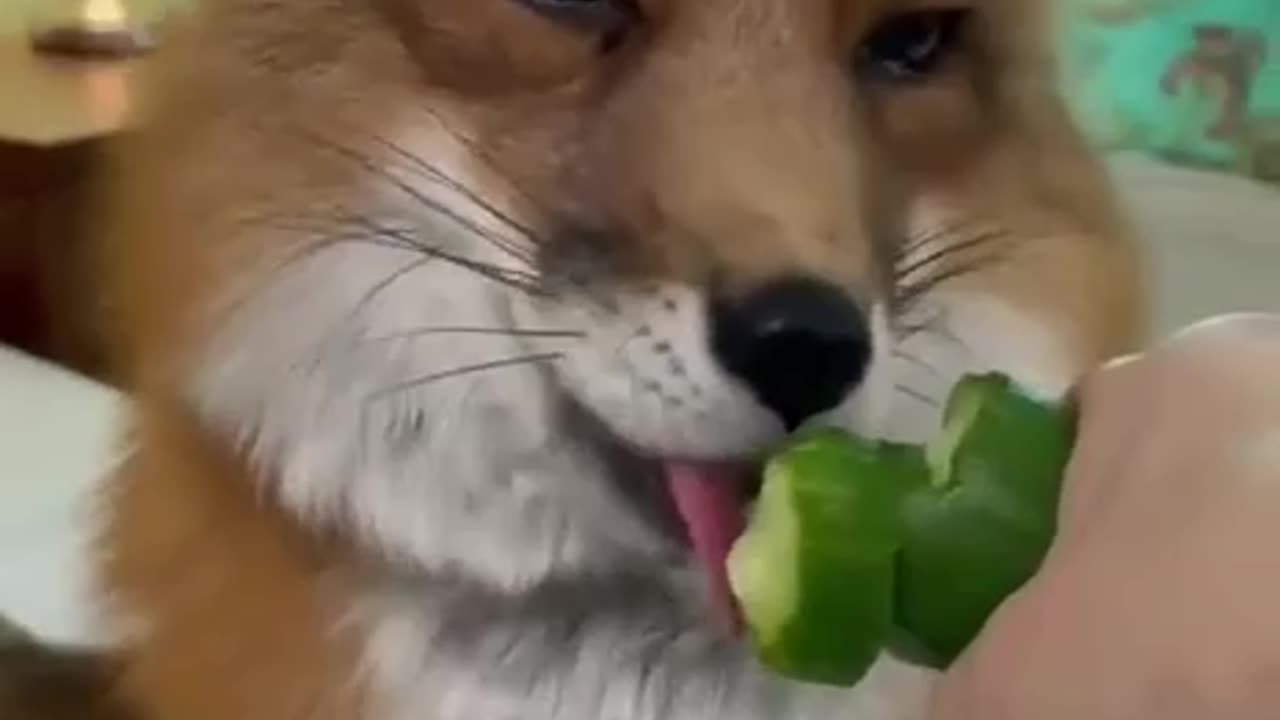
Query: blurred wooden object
[[48, 302], [51, 99], [79, 43], [53, 683], [56, 111]]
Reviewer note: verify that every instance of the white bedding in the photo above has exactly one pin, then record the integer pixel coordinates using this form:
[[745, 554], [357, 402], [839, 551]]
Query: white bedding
[[57, 435]]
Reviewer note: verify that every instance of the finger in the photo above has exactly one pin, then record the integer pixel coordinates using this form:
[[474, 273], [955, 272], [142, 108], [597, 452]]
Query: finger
[[976, 685], [1244, 348], [1259, 331], [1106, 404], [1212, 385], [953, 697]]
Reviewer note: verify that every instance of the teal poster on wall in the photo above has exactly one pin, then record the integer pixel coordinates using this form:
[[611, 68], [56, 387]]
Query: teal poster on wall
[[1190, 81]]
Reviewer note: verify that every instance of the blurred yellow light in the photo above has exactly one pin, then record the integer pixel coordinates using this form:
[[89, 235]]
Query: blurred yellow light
[[104, 13]]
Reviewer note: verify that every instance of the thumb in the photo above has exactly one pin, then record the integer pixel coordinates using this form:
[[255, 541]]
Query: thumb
[[990, 680], [954, 696]]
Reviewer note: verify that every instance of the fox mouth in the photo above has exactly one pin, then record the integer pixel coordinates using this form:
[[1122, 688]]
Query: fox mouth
[[703, 503], [711, 500], [695, 384]]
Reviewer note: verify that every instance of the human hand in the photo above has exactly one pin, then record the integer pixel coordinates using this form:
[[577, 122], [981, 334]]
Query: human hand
[[1160, 599]]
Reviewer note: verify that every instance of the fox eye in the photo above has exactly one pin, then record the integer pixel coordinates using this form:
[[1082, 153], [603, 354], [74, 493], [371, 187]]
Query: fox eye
[[609, 18], [913, 45]]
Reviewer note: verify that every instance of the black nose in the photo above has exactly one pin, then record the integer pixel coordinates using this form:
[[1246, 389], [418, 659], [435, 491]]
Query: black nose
[[801, 345]]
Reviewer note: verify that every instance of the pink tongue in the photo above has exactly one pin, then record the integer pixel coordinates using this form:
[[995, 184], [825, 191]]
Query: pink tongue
[[707, 496]]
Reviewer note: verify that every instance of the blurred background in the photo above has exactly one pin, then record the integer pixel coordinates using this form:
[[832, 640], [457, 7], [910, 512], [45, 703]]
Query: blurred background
[[1183, 96]]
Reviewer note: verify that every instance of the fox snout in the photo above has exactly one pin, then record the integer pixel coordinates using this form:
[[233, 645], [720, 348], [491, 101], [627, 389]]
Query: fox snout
[[767, 222], [800, 344], [733, 164]]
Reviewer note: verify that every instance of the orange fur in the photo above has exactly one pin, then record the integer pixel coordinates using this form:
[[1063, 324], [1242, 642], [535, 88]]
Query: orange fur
[[242, 615]]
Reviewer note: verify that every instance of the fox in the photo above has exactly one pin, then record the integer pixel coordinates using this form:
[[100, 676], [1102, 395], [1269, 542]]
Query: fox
[[454, 330]]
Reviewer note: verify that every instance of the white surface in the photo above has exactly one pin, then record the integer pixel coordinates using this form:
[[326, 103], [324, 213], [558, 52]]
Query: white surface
[[57, 436], [1213, 239]]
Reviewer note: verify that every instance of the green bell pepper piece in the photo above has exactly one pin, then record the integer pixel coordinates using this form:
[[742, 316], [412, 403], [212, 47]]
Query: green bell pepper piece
[[858, 546], [980, 529], [814, 571]]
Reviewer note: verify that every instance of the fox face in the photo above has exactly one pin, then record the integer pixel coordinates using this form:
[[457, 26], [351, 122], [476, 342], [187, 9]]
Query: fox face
[[516, 294], [740, 192]]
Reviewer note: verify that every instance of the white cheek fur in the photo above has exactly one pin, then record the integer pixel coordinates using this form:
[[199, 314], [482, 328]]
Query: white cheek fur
[[645, 369], [357, 413], [977, 333]]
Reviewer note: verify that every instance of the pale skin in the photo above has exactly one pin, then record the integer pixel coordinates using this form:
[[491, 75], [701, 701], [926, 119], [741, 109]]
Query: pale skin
[[1161, 597]]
